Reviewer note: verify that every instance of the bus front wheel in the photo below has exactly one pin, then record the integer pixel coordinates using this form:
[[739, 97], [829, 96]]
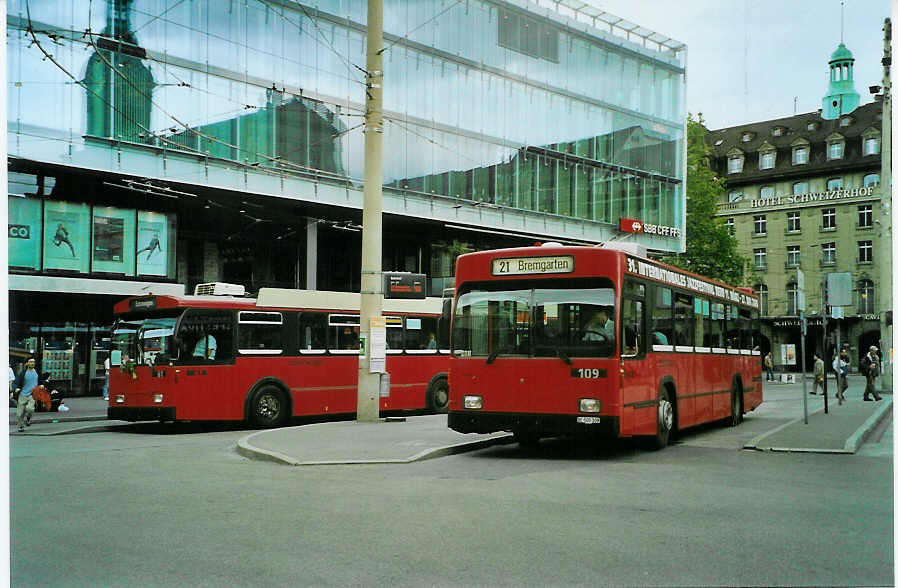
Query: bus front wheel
[[438, 396], [268, 407], [665, 419], [736, 417]]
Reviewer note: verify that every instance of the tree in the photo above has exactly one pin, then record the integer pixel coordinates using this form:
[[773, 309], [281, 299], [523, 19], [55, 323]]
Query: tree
[[710, 249]]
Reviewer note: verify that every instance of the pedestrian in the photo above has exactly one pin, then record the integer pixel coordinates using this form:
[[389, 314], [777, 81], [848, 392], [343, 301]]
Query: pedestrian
[[25, 384], [106, 382], [818, 374], [869, 366], [840, 366], [768, 365]]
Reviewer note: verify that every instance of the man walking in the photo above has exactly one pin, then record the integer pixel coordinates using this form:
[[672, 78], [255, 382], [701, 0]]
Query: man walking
[[818, 374], [870, 368], [25, 384]]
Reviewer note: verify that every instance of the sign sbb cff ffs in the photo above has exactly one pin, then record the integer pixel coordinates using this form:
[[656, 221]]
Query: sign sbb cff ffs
[[630, 225], [404, 285]]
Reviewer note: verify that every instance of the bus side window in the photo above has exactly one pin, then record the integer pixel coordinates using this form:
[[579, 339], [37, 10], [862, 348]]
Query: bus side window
[[312, 332], [662, 333], [632, 318], [207, 336]]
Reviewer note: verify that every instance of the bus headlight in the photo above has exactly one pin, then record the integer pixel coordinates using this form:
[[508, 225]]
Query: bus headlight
[[590, 405], [120, 399], [157, 398], [474, 402]]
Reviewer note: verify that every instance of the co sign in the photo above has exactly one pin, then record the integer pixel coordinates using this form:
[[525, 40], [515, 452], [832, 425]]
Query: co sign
[[19, 232]]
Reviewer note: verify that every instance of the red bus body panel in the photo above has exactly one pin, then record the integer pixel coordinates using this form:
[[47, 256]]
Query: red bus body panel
[[539, 387]]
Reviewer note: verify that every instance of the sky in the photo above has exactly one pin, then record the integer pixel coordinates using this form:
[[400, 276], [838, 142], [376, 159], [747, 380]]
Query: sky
[[748, 60]]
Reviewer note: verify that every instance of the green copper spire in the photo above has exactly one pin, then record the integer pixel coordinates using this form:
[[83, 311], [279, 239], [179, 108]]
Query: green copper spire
[[841, 98]]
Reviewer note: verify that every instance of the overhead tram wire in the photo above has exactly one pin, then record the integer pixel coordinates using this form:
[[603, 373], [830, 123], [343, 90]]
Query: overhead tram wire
[[426, 22]]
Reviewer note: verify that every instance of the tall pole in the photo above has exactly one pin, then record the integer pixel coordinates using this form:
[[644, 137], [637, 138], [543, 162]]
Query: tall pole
[[885, 182], [368, 406]]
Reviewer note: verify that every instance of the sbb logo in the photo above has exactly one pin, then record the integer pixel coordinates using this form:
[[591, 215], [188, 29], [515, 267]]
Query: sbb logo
[[19, 232]]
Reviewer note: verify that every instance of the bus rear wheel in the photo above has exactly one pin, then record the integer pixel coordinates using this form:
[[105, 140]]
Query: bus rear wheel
[[665, 420], [268, 407], [438, 396], [736, 403]]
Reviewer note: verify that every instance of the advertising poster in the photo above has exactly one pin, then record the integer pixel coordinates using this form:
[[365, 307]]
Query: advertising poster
[[66, 236], [24, 232], [113, 240], [152, 244], [787, 351]]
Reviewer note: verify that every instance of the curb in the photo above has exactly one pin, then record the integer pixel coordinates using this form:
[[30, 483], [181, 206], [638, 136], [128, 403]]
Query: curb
[[851, 444], [73, 431], [46, 420], [246, 449]]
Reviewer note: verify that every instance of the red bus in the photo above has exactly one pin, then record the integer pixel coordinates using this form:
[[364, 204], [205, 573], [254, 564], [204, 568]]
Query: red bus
[[285, 353], [556, 340]]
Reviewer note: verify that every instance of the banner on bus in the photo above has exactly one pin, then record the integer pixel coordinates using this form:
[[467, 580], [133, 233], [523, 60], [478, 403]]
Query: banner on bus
[[670, 276]]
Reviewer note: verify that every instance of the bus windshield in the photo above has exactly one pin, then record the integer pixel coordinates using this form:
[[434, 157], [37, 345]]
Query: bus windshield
[[146, 341], [575, 319]]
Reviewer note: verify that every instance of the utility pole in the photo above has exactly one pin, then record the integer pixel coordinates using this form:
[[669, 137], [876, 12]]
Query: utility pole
[[368, 405], [885, 183]]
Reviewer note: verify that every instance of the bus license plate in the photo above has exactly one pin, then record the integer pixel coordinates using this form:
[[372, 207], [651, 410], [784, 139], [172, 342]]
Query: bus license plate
[[589, 420]]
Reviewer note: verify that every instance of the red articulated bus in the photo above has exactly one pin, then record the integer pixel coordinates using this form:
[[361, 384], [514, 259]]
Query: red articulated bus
[[557, 340], [285, 353]]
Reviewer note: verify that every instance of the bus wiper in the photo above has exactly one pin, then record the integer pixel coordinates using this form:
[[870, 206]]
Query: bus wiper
[[564, 356], [492, 357]]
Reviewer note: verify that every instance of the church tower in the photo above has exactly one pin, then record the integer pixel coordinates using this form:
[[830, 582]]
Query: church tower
[[841, 98]]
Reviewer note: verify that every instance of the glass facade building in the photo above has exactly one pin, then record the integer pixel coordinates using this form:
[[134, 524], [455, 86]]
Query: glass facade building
[[157, 144], [502, 102]]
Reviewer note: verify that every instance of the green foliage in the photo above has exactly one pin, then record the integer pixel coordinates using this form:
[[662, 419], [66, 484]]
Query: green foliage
[[710, 249]]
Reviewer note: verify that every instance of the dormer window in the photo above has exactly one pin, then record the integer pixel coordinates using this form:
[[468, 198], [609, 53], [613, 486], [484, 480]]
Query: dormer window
[[747, 136], [871, 139], [778, 131], [735, 160], [800, 154], [846, 121], [812, 126], [835, 147], [718, 142], [767, 158]]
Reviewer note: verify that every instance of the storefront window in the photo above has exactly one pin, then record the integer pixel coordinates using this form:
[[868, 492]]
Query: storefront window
[[66, 236], [155, 253], [113, 240], [24, 232]]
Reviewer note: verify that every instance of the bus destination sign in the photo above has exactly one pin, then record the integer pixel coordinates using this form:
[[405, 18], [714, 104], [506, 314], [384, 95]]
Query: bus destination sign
[[143, 303], [517, 266], [675, 278]]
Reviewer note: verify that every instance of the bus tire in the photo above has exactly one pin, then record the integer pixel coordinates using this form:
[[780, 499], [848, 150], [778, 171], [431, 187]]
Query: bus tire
[[438, 396], [268, 407], [736, 405], [526, 439], [666, 419]]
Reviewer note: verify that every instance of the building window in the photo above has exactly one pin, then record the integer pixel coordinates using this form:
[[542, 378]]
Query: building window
[[792, 298], [829, 218], [777, 131], [871, 146], [528, 36], [793, 255], [735, 196], [865, 216], [812, 126], [731, 226], [767, 191], [833, 184], [761, 290], [871, 180], [747, 136], [793, 222], [846, 121], [836, 150], [865, 251], [799, 188], [734, 164], [760, 258], [829, 253], [865, 297], [800, 155], [761, 224], [768, 158]]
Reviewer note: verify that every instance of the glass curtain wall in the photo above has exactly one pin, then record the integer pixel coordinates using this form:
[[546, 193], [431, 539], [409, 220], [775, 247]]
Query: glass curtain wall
[[484, 100]]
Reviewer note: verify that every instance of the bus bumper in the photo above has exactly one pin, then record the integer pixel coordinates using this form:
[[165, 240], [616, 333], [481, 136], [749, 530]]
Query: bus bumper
[[141, 413], [541, 424]]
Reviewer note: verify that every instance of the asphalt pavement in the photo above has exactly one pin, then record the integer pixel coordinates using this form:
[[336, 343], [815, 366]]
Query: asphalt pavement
[[842, 429]]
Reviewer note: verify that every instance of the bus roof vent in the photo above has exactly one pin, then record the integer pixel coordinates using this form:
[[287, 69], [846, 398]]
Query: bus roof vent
[[219, 289], [627, 247], [551, 244]]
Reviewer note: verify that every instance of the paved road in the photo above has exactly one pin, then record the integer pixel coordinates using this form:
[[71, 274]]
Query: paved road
[[158, 505]]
